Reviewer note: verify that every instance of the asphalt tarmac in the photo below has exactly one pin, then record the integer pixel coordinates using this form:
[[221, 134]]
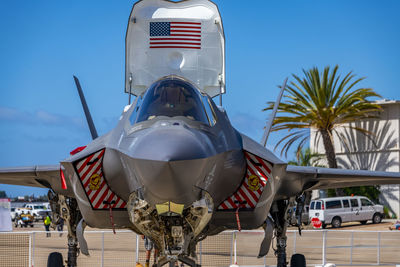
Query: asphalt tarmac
[[342, 247]]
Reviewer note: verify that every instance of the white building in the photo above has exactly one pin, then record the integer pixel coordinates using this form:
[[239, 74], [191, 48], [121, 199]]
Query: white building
[[379, 152]]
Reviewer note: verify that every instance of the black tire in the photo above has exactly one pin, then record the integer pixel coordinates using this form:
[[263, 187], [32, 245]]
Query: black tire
[[377, 218], [323, 225], [363, 222], [32, 225], [336, 222], [55, 259], [298, 260]]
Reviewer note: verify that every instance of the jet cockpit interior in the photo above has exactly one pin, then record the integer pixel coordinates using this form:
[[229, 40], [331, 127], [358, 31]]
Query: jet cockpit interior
[[173, 97]]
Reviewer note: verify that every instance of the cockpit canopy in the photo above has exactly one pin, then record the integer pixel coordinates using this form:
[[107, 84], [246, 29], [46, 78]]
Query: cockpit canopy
[[172, 97]]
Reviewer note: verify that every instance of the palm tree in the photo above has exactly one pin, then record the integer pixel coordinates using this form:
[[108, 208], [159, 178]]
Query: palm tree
[[323, 102], [305, 157]]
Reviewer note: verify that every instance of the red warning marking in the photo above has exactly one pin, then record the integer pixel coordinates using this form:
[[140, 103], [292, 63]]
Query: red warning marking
[[91, 174], [257, 174]]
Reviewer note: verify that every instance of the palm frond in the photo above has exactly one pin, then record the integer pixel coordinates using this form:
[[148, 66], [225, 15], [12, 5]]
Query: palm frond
[[322, 101]]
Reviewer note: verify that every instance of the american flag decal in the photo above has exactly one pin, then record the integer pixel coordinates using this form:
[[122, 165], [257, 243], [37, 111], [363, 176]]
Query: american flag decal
[[175, 35], [91, 175], [257, 174]]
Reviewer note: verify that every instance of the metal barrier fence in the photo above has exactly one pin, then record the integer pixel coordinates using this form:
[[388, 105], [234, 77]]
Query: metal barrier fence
[[342, 247]]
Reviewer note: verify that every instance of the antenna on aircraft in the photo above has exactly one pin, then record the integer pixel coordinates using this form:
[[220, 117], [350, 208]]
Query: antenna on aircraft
[[89, 120], [273, 114]]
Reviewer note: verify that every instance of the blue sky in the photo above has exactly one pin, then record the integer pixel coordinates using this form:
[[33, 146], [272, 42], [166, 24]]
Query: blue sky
[[43, 43]]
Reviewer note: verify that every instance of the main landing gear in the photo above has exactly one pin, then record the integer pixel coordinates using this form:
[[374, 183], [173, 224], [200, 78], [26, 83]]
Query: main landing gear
[[67, 209], [279, 215]]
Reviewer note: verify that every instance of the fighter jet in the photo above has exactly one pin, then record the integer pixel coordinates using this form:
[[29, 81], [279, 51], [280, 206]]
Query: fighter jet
[[174, 169]]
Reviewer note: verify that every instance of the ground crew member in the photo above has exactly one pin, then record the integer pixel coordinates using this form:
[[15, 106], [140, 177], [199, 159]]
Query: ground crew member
[[60, 226], [19, 219], [148, 244], [47, 222]]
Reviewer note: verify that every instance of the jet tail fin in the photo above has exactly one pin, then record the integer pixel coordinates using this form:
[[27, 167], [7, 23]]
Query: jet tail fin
[[273, 114], [89, 119]]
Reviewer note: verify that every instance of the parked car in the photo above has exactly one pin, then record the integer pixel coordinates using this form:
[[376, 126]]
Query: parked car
[[47, 205], [338, 210]]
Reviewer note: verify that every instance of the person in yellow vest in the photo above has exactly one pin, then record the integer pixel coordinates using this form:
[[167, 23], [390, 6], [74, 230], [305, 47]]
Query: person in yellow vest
[[47, 222]]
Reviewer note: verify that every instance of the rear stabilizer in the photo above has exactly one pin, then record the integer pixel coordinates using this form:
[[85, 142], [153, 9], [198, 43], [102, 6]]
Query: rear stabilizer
[[89, 119]]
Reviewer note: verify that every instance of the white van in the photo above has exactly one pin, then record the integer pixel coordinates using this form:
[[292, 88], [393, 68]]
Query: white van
[[337, 210]]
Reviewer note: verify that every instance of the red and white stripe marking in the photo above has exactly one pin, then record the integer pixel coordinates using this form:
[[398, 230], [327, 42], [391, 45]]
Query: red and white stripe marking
[[86, 168], [255, 166]]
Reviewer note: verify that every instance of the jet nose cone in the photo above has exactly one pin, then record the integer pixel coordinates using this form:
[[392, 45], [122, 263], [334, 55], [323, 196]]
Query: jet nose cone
[[170, 159], [171, 181], [172, 144]]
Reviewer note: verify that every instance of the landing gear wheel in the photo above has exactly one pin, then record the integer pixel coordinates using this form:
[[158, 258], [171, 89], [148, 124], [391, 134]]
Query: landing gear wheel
[[298, 260], [55, 259], [363, 222], [377, 218], [336, 222]]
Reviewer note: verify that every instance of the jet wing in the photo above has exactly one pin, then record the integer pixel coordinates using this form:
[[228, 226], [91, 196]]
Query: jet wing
[[299, 178], [293, 180], [45, 176]]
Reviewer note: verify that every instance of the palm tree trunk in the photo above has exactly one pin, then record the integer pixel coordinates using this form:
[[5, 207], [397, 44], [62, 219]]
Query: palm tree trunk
[[329, 149], [330, 155]]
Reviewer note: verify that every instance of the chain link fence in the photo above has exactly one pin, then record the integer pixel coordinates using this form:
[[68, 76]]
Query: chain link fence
[[341, 247], [15, 249]]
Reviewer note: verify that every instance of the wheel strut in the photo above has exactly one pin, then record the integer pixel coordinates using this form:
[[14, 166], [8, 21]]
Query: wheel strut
[[67, 208], [73, 251], [279, 211]]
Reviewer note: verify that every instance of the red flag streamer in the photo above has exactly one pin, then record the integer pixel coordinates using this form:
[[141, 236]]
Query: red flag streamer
[[111, 215], [237, 218]]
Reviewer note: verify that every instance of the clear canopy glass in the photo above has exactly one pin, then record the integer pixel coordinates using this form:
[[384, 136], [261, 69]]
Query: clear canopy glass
[[172, 97]]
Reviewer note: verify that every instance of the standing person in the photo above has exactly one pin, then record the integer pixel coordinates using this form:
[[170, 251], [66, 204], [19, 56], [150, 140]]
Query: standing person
[[47, 222], [148, 244], [60, 226], [18, 220]]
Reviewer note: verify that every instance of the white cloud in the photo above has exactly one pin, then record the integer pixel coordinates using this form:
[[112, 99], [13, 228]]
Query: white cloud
[[39, 117]]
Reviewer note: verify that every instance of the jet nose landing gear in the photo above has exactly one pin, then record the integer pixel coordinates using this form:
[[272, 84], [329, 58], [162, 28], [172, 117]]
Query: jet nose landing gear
[[66, 208], [279, 214]]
